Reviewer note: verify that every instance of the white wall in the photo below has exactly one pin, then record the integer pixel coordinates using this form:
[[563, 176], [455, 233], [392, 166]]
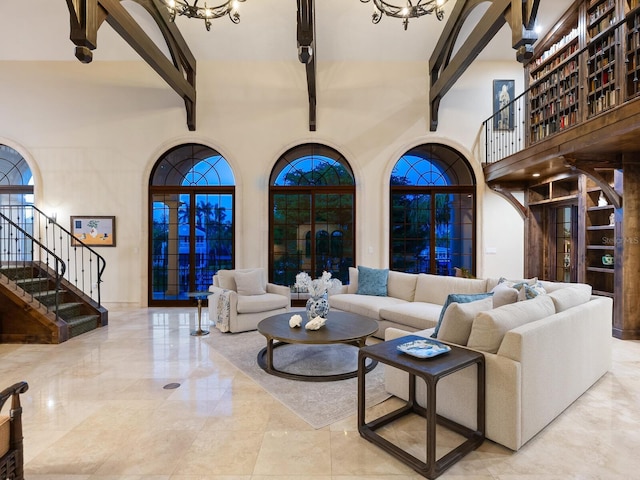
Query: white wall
[[91, 134]]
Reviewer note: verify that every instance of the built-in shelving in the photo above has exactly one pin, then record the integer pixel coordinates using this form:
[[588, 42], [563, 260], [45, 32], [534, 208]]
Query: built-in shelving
[[554, 84], [590, 64], [600, 243], [602, 53], [632, 50]]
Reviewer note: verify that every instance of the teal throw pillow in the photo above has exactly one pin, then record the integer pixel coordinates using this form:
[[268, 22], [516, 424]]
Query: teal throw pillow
[[372, 281], [458, 298]]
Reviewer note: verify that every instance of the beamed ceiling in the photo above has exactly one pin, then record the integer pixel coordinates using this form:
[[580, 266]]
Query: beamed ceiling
[[270, 30]]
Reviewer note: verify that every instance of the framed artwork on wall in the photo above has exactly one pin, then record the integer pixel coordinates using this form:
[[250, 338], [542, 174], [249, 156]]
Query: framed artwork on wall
[[503, 95], [93, 231]]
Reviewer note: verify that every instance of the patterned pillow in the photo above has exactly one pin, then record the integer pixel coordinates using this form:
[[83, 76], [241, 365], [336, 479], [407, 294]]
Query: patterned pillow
[[372, 281]]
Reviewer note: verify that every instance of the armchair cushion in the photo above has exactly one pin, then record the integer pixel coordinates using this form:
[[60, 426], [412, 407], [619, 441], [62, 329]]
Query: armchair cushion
[[5, 431], [261, 303], [226, 279], [250, 283]]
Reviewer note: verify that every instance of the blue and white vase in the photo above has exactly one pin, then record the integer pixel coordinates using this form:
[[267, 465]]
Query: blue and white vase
[[318, 306]]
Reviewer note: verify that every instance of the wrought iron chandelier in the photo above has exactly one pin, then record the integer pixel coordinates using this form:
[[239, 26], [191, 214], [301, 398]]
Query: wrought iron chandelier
[[412, 9], [206, 13]]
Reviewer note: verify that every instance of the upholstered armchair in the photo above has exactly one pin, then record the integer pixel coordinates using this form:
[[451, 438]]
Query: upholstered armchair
[[11, 453], [242, 297]]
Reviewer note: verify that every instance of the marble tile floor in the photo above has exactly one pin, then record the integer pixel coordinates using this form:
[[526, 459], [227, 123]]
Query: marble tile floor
[[96, 409]]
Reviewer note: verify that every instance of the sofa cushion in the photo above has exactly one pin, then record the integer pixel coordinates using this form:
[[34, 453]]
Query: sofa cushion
[[503, 294], [457, 320], [458, 298], [418, 315], [435, 288], [402, 285], [261, 303], [366, 305], [569, 297], [5, 427], [489, 327], [372, 281], [249, 282], [553, 286]]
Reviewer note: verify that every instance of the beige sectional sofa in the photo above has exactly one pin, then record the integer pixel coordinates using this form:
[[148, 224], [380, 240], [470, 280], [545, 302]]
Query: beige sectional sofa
[[413, 301], [541, 354]]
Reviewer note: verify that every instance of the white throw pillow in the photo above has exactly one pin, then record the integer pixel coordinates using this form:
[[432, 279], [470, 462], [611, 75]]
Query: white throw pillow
[[504, 294], [458, 318], [489, 327], [250, 283], [226, 279]]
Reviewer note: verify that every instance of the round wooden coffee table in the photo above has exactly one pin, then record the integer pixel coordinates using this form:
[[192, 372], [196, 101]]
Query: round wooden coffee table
[[341, 327]]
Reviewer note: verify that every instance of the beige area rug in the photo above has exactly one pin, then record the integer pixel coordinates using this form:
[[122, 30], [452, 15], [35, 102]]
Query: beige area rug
[[317, 403]]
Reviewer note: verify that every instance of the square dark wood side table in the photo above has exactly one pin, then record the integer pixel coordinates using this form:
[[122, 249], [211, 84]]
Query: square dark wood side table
[[431, 370]]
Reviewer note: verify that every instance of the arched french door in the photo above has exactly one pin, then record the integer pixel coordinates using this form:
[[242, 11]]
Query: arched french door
[[191, 232], [312, 205], [433, 212]]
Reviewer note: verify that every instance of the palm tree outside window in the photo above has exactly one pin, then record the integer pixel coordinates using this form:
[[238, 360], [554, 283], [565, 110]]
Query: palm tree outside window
[[192, 203]]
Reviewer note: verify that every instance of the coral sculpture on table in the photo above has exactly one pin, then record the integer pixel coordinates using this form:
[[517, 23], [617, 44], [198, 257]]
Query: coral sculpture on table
[[295, 321], [315, 324]]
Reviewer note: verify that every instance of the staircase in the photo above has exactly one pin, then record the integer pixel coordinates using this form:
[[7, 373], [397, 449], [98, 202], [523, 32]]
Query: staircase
[[39, 302]]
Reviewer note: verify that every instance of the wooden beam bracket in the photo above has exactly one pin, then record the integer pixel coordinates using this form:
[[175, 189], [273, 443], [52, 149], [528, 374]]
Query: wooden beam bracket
[[445, 68], [86, 17], [509, 197]]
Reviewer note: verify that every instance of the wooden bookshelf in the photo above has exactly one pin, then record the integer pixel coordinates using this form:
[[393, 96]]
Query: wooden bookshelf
[[602, 54], [555, 88], [632, 49]]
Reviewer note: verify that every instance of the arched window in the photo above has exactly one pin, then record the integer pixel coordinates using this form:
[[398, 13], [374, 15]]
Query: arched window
[[16, 180], [16, 198], [192, 222], [432, 224], [312, 193]]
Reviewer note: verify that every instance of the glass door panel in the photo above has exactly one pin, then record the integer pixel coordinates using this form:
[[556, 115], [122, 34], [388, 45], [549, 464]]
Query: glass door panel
[[565, 232], [211, 245], [293, 237]]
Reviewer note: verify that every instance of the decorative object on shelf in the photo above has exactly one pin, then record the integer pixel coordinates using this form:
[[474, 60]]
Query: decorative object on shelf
[[503, 94], [93, 231], [295, 321], [316, 323], [612, 219], [186, 9], [602, 200], [607, 260], [412, 9], [318, 303]]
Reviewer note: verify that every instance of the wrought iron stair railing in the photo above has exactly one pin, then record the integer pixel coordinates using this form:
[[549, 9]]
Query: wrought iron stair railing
[[29, 236]]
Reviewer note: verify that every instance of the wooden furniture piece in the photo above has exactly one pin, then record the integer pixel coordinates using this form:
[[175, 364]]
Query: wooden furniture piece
[[11, 451], [431, 371], [597, 239], [341, 327]]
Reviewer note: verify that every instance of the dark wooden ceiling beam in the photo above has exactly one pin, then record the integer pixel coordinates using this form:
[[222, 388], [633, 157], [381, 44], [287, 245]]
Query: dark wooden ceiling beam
[[307, 52], [445, 68], [86, 17]]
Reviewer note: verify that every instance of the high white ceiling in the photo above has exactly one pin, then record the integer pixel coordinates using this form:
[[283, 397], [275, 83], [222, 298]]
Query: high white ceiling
[[267, 32]]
